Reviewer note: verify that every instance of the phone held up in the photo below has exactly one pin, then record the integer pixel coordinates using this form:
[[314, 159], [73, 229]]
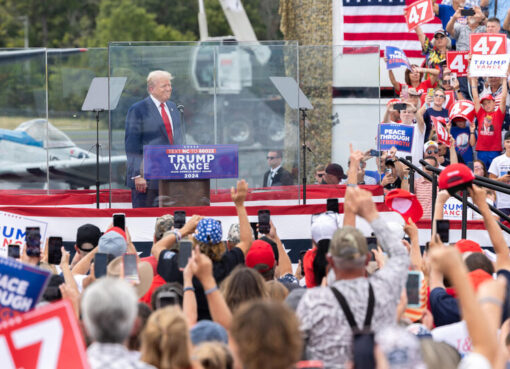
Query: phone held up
[[119, 220], [264, 218]]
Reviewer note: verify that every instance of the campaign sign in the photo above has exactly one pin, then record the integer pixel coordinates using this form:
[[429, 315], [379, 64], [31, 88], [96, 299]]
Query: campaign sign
[[21, 285], [449, 99], [190, 161], [395, 135], [419, 12], [12, 230], [396, 58], [48, 337], [488, 65], [443, 135], [487, 44], [457, 62]]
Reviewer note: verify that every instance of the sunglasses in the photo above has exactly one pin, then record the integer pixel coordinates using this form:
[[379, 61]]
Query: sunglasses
[[447, 81], [272, 157], [320, 175], [430, 152], [439, 36]]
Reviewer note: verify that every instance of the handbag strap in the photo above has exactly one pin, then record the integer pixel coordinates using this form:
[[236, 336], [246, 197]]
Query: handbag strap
[[347, 310]]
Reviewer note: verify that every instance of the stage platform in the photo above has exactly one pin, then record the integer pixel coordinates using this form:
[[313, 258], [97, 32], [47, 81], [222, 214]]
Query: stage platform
[[61, 213]]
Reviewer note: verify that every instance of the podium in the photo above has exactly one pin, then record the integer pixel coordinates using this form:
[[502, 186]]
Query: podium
[[184, 172], [184, 192]]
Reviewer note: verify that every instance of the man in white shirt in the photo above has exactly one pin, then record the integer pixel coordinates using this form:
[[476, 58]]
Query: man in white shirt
[[499, 170]]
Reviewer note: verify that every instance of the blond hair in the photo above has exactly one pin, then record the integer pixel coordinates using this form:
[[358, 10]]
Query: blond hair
[[276, 290], [165, 340], [213, 355], [157, 74]]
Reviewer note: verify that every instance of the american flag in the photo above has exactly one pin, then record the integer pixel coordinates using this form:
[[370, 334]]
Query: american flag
[[380, 22]]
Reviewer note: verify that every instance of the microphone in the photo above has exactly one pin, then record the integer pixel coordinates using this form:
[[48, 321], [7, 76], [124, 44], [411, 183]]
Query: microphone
[[180, 108]]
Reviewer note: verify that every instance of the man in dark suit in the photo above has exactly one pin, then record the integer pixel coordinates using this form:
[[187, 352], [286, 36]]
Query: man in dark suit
[[276, 175], [152, 121]]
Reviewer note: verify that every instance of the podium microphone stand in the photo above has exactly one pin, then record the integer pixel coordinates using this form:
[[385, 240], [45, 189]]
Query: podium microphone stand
[[103, 95], [296, 99]]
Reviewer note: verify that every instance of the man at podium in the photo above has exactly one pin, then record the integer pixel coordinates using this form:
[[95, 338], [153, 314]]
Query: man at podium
[[154, 120]]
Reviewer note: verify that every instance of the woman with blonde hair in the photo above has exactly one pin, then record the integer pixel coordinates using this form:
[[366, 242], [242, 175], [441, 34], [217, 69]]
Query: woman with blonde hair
[[214, 355], [165, 340]]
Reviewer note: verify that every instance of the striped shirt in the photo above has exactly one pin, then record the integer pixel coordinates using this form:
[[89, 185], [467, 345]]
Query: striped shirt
[[423, 191]]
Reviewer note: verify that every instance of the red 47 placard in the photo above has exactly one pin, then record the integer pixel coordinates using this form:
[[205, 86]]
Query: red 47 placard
[[419, 12], [458, 62], [441, 130], [48, 337], [487, 43]]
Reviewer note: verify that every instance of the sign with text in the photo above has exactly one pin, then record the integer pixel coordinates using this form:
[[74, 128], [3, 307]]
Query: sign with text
[[12, 230], [487, 44], [396, 58], [190, 161], [419, 12], [443, 135], [488, 65], [21, 286], [449, 99], [458, 62], [48, 337], [395, 135]]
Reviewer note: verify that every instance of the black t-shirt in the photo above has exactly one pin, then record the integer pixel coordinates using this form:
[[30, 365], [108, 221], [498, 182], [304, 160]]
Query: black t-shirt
[[168, 269]]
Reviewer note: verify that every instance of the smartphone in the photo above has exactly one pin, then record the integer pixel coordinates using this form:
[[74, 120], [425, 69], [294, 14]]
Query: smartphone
[[443, 229], [302, 254], [375, 153], [413, 287], [372, 245], [130, 268], [400, 106], [405, 92], [264, 217], [179, 219], [33, 241], [100, 264], [185, 247], [119, 220], [13, 251], [467, 12], [166, 298], [54, 250], [332, 205], [254, 229]]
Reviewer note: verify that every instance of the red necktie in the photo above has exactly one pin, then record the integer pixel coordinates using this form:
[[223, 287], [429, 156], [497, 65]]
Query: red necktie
[[168, 126]]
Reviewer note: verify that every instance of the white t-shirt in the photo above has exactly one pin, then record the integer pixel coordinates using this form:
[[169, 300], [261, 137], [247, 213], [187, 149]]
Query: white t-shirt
[[499, 167], [456, 335], [474, 361]]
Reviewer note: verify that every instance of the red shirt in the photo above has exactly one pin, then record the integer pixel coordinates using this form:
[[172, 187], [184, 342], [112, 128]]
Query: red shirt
[[308, 268], [489, 130]]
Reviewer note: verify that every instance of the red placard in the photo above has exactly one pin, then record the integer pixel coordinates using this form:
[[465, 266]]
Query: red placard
[[457, 62], [449, 99], [441, 130], [487, 43], [419, 12], [48, 337]]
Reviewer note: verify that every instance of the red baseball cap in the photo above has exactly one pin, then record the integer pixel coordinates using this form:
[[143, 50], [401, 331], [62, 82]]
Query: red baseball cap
[[396, 101], [468, 246], [455, 177], [260, 253], [404, 203], [486, 97]]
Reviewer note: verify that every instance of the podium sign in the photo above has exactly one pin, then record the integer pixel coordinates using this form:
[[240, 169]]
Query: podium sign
[[190, 161]]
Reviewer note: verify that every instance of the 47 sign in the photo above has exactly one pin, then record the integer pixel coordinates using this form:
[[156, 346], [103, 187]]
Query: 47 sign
[[419, 12], [457, 62], [487, 43], [48, 337]]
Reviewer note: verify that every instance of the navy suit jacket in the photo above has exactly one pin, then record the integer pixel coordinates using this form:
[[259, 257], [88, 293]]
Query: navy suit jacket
[[145, 126]]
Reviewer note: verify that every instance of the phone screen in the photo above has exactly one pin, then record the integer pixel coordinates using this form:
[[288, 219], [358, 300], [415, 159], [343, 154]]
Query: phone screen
[[119, 220], [100, 263], [375, 153], [413, 288], [130, 268], [166, 298], [33, 241], [179, 219], [185, 247], [264, 217], [443, 229], [467, 12], [13, 251], [332, 205], [372, 245], [54, 250]]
